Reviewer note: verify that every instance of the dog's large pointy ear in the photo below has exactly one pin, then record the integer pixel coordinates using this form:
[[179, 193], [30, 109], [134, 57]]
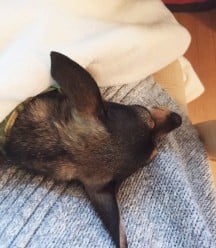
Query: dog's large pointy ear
[[105, 204], [76, 83]]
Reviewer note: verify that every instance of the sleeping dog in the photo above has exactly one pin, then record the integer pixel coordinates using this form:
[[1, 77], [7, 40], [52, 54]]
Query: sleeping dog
[[71, 133]]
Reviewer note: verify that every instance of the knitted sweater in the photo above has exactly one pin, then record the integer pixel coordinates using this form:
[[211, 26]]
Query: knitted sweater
[[170, 203]]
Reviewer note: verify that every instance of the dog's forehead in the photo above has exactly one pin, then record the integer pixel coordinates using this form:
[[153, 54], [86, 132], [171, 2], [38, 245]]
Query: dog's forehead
[[144, 114], [127, 118], [142, 111]]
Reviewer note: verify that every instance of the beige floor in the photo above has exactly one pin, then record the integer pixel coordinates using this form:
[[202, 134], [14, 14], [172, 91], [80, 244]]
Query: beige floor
[[202, 55]]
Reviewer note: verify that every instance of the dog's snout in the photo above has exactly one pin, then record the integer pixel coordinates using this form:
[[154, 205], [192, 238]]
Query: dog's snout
[[175, 119], [165, 120]]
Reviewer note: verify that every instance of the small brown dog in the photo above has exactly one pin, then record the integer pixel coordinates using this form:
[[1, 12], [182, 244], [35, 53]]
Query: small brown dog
[[73, 134]]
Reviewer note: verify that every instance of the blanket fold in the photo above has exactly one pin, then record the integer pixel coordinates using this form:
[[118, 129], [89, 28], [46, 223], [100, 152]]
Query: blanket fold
[[117, 41]]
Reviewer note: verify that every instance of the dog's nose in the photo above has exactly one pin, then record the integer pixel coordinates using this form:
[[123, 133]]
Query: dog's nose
[[175, 119]]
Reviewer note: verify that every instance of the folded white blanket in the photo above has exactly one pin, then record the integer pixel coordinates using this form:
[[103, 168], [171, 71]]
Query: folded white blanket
[[118, 41]]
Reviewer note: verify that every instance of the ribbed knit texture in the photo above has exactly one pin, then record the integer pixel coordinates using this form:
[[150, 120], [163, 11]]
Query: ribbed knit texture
[[170, 203]]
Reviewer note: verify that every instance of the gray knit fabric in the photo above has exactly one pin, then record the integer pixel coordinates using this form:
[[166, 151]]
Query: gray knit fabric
[[170, 203]]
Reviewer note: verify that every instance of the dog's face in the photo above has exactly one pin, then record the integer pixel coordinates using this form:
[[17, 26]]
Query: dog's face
[[75, 134]]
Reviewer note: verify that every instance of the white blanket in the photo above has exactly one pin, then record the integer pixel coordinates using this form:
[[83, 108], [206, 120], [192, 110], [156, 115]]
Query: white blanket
[[118, 41]]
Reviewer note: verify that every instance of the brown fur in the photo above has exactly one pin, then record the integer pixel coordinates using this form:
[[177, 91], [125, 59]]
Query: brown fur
[[75, 134]]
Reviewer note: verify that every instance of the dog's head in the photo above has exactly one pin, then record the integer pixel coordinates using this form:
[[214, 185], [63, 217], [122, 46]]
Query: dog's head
[[76, 134], [110, 141]]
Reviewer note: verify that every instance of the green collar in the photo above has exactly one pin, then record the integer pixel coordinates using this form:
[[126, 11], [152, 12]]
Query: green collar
[[7, 124]]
